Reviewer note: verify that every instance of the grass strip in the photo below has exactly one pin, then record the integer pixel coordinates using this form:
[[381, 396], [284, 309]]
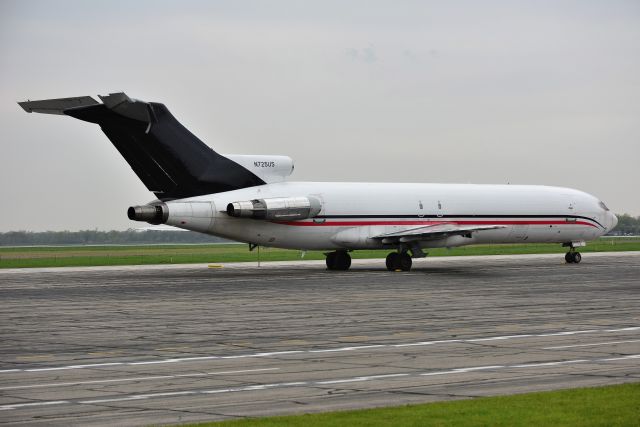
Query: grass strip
[[617, 405], [77, 256]]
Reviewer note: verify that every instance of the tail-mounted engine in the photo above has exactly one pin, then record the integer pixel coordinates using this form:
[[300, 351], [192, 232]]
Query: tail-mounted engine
[[276, 208], [156, 213]]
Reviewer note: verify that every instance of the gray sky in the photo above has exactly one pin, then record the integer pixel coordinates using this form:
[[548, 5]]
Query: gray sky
[[531, 92]]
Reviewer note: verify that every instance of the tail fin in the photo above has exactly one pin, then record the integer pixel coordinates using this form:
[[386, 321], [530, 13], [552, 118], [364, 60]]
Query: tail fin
[[171, 161]]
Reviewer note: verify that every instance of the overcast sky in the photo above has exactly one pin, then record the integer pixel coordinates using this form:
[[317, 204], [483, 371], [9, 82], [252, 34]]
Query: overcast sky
[[538, 92]]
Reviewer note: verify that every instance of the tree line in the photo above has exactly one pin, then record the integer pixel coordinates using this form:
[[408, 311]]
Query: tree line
[[95, 237], [627, 225]]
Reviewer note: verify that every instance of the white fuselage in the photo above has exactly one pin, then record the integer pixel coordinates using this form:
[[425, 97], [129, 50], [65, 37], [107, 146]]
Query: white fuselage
[[353, 212]]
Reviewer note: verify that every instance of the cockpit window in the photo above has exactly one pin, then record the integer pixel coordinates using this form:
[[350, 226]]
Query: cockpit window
[[603, 206]]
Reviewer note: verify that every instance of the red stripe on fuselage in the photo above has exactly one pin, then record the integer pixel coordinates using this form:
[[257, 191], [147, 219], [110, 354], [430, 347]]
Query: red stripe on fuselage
[[426, 223]]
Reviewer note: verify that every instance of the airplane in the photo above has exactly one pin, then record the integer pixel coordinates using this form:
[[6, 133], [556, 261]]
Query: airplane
[[247, 198]]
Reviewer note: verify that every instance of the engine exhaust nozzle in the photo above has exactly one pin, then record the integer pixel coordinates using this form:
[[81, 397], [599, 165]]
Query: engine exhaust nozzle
[[153, 214]]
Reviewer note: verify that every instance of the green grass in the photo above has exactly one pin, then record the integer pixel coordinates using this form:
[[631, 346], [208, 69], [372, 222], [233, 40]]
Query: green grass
[[617, 405], [67, 256]]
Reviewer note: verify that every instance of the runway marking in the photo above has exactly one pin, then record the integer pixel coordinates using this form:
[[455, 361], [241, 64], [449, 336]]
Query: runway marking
[[536, 365], [26, 405], [630, 328], [172, 348], [463, 370], [559, 334], [588, 345], [251, 387], [329, 350], [137, 397], [148, 378], [356, 379], [633, 356], [175, 360], [506, 337], [58, 368], [273, 353], [426, 343], [259, 387]]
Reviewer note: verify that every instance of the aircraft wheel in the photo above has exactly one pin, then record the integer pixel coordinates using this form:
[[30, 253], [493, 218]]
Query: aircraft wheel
[[343, 260], [568, 257], [577, 257], [331, 260], [338, 260], [393, 261], [405, 262], [397, 261]]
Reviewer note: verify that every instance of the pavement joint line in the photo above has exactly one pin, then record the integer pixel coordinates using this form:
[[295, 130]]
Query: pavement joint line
[[315, 351], [258, 387]]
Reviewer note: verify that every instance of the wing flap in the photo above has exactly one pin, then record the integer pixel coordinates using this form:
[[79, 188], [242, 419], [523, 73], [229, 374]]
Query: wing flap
[[431, 232]]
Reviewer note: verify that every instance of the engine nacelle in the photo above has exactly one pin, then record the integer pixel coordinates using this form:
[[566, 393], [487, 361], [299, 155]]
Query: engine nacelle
[[276, 208], [193, 215], [156, 213]]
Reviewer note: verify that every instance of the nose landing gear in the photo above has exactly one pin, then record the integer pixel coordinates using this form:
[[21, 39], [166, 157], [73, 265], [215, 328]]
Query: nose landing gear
[[573, 257]]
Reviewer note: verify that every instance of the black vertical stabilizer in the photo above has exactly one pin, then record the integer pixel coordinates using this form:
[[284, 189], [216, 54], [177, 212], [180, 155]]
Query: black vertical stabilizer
[[171, 161]]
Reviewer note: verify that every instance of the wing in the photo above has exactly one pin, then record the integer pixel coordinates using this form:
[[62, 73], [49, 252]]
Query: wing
[[432, 232]]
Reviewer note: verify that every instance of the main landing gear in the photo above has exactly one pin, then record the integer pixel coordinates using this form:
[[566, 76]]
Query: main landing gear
[[338, 260], [399, 261]]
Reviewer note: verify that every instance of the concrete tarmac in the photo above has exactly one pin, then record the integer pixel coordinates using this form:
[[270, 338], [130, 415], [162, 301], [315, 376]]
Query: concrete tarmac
[[170, 344]]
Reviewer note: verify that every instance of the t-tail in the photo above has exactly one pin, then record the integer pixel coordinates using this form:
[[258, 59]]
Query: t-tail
[[171, 161]]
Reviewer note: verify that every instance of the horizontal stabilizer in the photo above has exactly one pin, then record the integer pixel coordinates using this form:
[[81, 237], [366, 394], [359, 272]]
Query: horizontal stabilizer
[[57, 106]]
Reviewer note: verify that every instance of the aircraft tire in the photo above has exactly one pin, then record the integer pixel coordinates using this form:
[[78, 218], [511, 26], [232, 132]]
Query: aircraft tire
[[405, 262], [393, 261], [568, 257], [343, 260], [338, 260], [577, 257], [331, 260]]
